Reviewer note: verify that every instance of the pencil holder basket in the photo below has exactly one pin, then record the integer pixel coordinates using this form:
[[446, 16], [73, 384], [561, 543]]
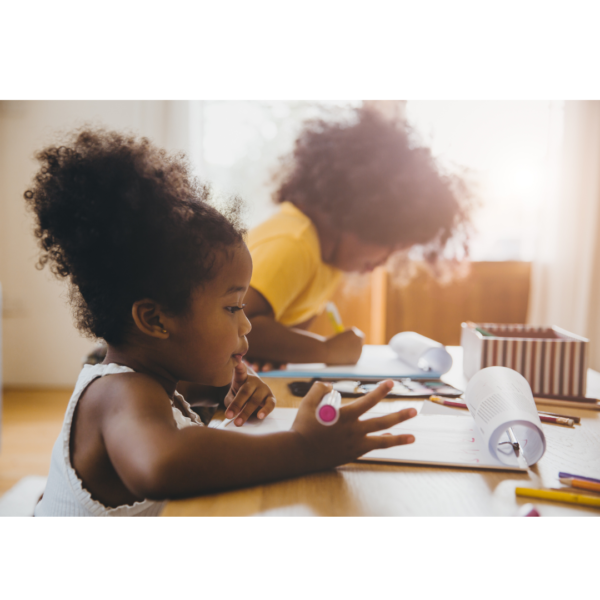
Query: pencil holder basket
[[553, 361]]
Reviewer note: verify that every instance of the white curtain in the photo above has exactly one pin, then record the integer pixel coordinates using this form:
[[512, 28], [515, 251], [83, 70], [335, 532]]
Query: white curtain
[[41, 345], [565, 286]]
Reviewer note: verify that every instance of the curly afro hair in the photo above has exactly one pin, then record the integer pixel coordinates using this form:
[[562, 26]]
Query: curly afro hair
[[372, 179], [124, 220]]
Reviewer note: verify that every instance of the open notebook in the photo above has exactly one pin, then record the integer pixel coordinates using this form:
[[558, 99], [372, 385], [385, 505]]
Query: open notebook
[[498, 398], [376, 362]]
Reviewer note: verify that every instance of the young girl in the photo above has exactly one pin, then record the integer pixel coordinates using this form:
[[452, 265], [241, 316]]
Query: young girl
[[351, 194], [160, 275]]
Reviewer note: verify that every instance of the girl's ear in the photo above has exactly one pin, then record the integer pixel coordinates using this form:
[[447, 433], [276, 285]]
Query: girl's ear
[[148, 318]]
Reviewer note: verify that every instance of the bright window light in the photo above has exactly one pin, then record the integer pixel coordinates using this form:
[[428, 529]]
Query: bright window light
[[241, 142], [509, 149]]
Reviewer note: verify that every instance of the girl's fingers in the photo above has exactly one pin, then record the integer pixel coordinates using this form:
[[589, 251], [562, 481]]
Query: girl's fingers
[[316, 393], [363, 404], [268, 407], [375, 442], [249, 408], [379, 423], [240, 375], [239, 401]]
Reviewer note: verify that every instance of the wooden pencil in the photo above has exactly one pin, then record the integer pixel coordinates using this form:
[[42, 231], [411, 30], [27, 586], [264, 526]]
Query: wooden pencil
[[547, 418], [557, 420], [559, 496], [580, 483], [551, 414], [567, 398], [567, 403]]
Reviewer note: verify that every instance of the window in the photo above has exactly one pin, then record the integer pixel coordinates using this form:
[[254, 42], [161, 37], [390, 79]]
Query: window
[[510, 150]]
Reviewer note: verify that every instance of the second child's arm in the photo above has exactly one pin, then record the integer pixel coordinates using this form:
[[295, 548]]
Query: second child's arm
[[156, 460], [271, 341]]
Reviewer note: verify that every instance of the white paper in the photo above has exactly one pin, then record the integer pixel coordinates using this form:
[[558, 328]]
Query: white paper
[[499, 398], [420, 352], [451, 440], [375, 361]]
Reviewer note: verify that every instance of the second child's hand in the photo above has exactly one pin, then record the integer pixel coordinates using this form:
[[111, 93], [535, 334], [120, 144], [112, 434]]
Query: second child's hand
[[247, 395]]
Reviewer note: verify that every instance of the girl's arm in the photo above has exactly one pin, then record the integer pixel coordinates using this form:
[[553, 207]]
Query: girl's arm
[[156, 460]]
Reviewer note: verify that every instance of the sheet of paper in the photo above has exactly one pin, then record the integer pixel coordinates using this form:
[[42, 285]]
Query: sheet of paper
[[421, 352], [499, 398], [441, 439], [376, 362]]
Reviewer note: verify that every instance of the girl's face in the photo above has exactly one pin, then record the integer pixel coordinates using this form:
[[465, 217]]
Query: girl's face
[[207, 343]]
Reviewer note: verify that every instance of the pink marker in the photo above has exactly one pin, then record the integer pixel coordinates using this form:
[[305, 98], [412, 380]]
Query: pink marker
[[328, 411]]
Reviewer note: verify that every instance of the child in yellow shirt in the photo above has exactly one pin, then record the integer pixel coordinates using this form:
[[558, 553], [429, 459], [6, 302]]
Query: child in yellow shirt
[[353, 193]]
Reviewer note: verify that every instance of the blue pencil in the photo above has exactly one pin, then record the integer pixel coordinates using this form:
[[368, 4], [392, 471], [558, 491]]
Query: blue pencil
[[571, 476]]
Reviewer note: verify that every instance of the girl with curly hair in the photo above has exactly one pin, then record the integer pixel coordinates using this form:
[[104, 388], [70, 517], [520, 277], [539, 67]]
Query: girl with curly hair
[[352, 193], [160, 275]]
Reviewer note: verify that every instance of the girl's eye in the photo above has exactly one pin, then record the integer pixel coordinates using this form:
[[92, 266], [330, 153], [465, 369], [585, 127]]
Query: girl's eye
[[234, 309]]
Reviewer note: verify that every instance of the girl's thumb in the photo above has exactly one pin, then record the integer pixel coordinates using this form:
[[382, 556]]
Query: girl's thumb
[[240, 373]]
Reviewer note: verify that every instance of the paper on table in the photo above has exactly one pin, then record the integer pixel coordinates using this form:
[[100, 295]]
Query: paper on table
[[420, 352], [499, 398], [376, 362], [440, 439]]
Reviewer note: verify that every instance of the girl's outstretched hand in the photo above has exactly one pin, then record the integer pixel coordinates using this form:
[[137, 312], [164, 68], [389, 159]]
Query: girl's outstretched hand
[[350, 437], [248, 393]]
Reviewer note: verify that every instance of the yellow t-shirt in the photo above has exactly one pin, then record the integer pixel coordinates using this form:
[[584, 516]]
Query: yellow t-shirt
[[287, 266]]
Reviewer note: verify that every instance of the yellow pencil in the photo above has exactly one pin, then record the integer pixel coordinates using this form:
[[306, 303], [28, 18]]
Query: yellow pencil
[[334, 317], [559, 496]]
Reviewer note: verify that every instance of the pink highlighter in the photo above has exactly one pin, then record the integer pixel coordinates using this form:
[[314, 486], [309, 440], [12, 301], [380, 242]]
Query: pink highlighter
[[328, 411]]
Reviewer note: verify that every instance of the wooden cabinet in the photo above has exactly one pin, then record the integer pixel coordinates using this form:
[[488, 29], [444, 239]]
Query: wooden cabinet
[[496, 292]]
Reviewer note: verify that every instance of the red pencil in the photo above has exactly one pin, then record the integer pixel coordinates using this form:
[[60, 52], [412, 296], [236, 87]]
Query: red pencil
[[439, 400], [546, 418], [558, 420], [567, 398]]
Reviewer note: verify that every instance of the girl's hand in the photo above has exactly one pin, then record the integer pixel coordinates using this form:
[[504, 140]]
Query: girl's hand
[[329, 446], [248, 393]]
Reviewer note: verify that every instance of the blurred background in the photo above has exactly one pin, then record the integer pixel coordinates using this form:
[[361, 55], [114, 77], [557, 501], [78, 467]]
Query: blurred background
[[534, 257]]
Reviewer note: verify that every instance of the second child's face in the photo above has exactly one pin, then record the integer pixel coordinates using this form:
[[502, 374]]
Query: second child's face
[[210, 341], [355, 255]]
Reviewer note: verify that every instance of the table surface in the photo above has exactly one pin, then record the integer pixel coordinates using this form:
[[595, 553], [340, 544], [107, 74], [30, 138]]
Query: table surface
[[369, 489]]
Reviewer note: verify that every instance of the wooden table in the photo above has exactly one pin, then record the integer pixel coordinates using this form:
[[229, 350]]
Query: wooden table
[[368, 489]]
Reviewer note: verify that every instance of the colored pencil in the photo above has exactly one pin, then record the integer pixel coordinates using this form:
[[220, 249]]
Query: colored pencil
[[580, 483], [482, 331], [557, 419], [567, 398], [571, 476], [559, 496], [567, 403], [334, 317], [550, 414], [440, 400]]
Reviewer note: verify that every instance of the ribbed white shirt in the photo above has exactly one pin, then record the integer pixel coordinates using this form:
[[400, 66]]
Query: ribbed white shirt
[[65, 495]]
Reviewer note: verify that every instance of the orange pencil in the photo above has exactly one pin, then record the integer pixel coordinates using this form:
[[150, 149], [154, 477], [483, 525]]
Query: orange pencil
[[580, 483]]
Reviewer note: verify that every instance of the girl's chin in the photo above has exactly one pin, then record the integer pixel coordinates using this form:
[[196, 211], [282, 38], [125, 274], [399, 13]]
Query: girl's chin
[[227, 375]]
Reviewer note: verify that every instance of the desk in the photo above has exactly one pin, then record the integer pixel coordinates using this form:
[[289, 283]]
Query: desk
[[367, 489]]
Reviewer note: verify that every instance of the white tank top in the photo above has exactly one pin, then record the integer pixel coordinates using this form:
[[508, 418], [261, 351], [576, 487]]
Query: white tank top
[[65, 495]]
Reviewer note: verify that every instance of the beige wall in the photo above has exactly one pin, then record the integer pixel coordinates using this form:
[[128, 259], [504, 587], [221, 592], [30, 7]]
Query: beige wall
[[41, 347]]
